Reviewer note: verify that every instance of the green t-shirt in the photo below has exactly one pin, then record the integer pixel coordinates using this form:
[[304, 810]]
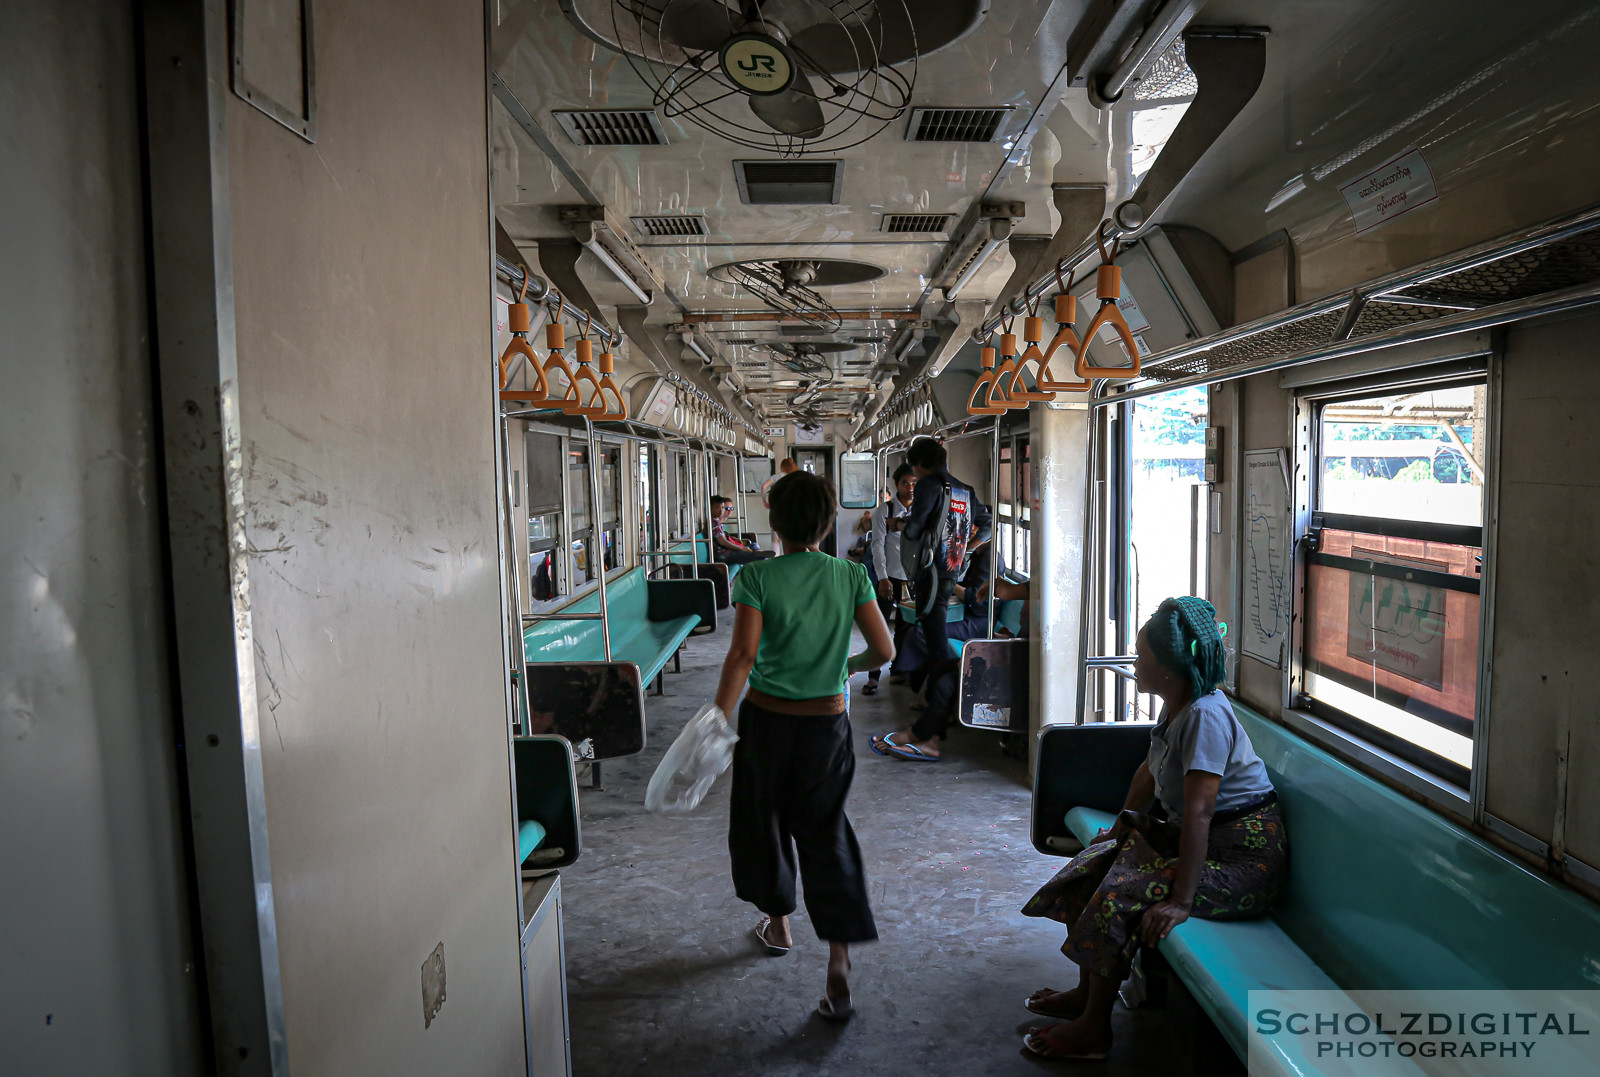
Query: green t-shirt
[[808, 605]]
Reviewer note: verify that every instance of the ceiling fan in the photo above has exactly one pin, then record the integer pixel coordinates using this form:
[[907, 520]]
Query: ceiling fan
[[797, 76], [806, 357], [784, 285]]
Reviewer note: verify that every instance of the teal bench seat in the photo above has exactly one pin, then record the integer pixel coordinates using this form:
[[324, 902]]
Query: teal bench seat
[[649, 620], [699, 564], [1007, 615], [1383, 892]]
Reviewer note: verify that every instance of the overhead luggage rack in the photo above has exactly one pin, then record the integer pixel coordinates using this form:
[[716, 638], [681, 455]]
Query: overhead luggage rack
[[1545, 270]]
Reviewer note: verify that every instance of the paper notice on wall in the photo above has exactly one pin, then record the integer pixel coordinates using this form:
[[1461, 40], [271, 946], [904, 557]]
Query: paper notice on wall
[[1265, 555], [1393, 188], [1398, 625]]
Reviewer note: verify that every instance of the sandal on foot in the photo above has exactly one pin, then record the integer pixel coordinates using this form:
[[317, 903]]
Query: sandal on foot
[[870, 688], [761, 937], [831, 1009], [1036, 1043], [1036, 1004], [911, 752], [882, 742]]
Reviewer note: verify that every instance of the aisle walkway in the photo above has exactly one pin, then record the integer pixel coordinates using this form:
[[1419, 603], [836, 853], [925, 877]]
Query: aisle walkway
[[665, 978]]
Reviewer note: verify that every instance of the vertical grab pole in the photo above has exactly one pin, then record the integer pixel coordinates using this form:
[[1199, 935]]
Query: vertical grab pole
[[597, 531], [508, 501], [738, 491], [705, 502], [994, 519]]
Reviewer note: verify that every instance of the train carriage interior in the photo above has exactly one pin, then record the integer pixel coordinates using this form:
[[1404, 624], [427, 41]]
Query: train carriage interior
[[394, 399]]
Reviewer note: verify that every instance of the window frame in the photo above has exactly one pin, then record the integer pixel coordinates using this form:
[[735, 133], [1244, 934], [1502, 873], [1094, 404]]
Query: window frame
[[1343, 734]]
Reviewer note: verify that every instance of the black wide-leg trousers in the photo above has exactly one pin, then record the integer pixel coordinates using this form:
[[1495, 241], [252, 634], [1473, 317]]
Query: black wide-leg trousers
[[791, 775]]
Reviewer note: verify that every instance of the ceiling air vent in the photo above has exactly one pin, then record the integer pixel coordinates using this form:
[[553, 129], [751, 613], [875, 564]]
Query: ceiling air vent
[[955, 124], [787, 183], [678, 224], [904, 223], [612, 127]]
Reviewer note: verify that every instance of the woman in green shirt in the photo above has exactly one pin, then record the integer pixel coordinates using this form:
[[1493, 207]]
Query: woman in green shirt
[[794, 761]]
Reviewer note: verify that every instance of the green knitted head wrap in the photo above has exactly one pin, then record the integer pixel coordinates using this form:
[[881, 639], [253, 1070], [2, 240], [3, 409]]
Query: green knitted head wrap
[[1185, 637]]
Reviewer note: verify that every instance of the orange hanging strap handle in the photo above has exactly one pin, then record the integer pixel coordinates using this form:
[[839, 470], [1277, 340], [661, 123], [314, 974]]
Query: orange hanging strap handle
[[583, 378], [555, 338], [1108, 288], [1066, 315], [521, 321], [1016, 389], [607, 385], [1006, 372], [978, 401]]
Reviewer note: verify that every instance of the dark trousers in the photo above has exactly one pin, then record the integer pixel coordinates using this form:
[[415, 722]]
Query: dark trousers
[[741, 557], [935, 717], [890, 608], [791, 775], [935, 629]]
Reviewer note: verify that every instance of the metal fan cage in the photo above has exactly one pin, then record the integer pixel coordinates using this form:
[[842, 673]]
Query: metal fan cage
[[765, 281], [691, 85]]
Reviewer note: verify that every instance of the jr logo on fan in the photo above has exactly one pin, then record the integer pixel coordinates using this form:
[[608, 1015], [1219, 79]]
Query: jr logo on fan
[[756, 64]]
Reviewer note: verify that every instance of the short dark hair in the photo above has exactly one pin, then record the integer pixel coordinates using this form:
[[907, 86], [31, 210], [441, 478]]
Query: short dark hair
[[927, 454], [717, 501], [801, 508], [901, 472]]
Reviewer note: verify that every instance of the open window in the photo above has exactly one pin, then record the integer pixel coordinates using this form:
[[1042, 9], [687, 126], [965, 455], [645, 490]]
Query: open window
[[1393, 570]]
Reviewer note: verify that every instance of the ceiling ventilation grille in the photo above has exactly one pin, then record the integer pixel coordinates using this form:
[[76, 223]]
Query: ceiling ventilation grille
[[955, 124], [904, 223], [780, 183], [680, 224], [612, 127]]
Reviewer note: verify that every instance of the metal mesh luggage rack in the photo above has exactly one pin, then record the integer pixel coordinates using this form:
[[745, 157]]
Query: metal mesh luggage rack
[[1549, 269]]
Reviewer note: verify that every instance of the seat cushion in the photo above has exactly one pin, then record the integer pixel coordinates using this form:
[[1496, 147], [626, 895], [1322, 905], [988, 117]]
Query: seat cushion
[[1085, 823], [1221, 962]]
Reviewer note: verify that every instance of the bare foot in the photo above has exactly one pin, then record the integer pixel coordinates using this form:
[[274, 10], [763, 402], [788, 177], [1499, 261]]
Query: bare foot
[[838, 988], [899, 737], [1076, 1039], [1067, 1005]]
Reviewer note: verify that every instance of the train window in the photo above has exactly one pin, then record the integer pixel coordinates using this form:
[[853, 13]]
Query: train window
[[611, 501], [546, 569], [647, 520], [1393, 573], [578, 512], [1014, 507], [1167, 542]]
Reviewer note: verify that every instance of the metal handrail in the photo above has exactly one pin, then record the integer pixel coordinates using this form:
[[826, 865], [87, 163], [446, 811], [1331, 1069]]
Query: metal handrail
[[528, 618]]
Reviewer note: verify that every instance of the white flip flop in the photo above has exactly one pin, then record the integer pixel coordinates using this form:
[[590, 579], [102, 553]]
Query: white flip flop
[[761, 937]]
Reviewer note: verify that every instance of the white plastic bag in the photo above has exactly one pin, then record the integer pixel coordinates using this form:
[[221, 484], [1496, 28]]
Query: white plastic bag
[[702, 752]]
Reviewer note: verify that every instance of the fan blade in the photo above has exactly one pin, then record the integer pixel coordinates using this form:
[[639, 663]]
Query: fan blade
[[794, 112], [696, 25]]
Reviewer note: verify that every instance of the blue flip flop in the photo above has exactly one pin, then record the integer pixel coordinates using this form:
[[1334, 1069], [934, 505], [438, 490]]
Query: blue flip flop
[[911, 752], [881, 743]]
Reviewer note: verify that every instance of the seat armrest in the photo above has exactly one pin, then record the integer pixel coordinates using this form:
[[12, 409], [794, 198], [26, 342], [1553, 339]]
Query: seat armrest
[[1083, 766], [670, 599]]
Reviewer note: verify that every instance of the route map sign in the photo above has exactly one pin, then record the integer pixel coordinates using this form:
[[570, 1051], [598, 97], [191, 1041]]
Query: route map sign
[[1266, 555]]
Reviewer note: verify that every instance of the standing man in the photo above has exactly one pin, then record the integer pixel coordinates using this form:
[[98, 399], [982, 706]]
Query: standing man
[[892, 582], [946, 524], [786, 466]]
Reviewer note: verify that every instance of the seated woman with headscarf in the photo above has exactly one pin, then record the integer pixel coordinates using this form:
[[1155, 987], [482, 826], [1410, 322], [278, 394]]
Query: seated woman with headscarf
[[1200, 834]]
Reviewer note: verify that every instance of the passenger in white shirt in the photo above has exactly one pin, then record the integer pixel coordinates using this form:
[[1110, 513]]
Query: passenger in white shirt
[[891, 573]]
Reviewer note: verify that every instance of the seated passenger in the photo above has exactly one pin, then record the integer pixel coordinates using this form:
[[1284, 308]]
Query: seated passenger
[[921, 741], [729, 550], [912, 660], [793, 763], [1200, 834]]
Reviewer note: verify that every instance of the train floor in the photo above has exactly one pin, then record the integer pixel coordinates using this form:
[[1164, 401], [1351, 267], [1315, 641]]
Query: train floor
[[664, 975]]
